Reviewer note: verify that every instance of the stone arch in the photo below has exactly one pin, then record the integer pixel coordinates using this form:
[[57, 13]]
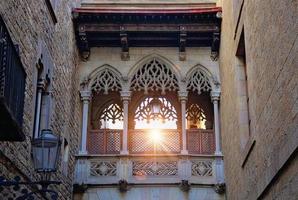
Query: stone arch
[[105, 78], [206, 82], [154, 73]]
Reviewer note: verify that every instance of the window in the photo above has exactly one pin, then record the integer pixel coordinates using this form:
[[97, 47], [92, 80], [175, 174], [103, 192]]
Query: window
[[12, 88], [246, 140], [43, 105], [244, 117]]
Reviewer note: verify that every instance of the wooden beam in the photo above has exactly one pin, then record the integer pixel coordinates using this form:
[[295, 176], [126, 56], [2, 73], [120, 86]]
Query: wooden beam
[[150, 27]]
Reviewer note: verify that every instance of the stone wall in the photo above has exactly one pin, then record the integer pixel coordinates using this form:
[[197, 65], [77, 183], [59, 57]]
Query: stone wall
[[30, 25], [163, 192], [265, 166]]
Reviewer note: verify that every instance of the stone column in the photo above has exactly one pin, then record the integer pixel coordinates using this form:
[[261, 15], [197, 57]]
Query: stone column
[[219, 167], [183, 100], [215, 98], [85, 97], [41, 85], [125, 96]]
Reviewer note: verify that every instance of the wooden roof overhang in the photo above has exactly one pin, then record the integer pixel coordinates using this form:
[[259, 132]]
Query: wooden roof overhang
[[182, 28]]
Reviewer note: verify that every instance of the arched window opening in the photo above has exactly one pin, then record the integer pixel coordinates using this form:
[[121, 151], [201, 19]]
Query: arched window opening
[[199, 120], [106, 124], [155, 124], [196, 117]]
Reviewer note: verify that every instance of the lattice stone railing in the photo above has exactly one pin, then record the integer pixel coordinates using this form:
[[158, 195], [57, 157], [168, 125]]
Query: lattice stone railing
[[104, 141], [146, 169], [140, 142], [108, 141], [200, 141]]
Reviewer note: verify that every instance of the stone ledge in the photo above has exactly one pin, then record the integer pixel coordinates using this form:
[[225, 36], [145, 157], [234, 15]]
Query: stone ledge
[[247, 150]]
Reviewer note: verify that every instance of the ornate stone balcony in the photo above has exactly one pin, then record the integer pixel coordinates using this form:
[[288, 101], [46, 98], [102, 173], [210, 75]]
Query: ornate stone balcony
[[148, 162], [146, 169]]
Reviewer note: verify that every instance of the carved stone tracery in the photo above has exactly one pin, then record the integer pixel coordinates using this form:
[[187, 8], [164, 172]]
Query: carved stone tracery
[[167, 111], [112, 112], [154, 168], [103, 168], [198, 81], [106, 80], [154, 76], [202, 168], [195, 113]]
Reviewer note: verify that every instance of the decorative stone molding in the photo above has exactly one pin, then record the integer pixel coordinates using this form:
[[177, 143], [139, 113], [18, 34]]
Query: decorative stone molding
[[41, 84], [220, 188], [125, 95], [123, 185], [184, 185], [215, 96], [85, 83], [80, 188], [183, 95], [85, 95]]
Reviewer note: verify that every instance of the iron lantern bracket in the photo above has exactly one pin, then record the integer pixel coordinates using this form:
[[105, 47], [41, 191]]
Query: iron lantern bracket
[[43, 190]]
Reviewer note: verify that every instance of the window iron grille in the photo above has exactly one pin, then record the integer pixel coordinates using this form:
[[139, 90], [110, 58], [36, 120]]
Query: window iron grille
[[12, 86]]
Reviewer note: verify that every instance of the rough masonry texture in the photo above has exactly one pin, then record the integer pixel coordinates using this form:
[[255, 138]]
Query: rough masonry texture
[[271, 168], [30, 24]]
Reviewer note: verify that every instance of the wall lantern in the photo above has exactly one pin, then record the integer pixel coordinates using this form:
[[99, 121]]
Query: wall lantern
[[45, 152], [155, 107]]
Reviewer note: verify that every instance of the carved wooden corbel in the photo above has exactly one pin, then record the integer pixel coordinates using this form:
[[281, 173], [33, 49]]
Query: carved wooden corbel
[[83, 43], [124, 44], [215, 46], [182, 43]]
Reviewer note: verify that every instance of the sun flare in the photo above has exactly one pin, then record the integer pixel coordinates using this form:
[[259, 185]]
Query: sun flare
[[156, 136]]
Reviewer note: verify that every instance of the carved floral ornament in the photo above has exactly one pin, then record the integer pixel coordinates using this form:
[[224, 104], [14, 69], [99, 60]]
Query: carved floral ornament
[[152, 76]]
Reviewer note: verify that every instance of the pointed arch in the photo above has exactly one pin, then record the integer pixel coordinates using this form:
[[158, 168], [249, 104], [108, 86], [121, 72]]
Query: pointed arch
[[154, 73], [105, 78], [200, 79]]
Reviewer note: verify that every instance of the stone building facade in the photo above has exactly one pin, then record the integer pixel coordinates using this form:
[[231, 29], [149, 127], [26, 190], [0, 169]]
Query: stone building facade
[[43, 32], [259, 76], [239, 55]]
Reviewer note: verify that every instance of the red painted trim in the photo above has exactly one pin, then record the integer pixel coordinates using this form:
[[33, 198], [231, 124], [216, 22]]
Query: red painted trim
[[147, 11]]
